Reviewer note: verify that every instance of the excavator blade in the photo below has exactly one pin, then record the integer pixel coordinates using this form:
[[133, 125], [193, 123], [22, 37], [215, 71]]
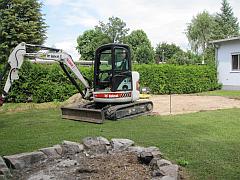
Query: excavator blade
[[83, 114]]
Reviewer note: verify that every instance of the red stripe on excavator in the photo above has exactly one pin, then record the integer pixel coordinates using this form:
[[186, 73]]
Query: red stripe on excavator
[[113, 95], [70, 62]]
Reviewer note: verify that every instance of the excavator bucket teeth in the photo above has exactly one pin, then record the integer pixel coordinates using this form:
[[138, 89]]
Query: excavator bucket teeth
[[83, 114]]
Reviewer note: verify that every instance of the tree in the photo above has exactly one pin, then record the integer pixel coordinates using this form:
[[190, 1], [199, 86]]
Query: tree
[[184, 58], [89, 41], [226, 24], [115, 29], [137, 41], [166, 51], [20, 21], [144, 54], [200, 31], [209, 55]]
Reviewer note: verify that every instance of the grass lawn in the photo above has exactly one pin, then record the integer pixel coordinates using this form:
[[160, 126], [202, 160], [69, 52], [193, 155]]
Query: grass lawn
[[209, 141], [230, 94]]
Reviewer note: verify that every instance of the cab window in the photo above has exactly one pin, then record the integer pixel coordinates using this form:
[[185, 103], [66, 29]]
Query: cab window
[[122, 79], [105, 71], [121, 60]]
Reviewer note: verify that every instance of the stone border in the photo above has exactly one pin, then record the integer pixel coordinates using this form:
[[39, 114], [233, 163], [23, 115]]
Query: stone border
[[162, 169]]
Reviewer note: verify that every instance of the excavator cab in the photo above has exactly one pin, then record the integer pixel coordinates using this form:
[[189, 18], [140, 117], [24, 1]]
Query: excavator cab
[[112, 68], [113, 76]]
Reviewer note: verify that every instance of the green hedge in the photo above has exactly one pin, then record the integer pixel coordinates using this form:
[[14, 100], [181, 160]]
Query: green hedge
[[45, 83], [166, 78]]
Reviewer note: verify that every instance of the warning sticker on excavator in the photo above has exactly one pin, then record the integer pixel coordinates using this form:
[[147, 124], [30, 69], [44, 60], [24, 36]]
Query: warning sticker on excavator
[[70, 62], [113, 95]]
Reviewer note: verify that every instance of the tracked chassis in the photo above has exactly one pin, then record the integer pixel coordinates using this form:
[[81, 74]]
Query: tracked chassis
[[97, 113]]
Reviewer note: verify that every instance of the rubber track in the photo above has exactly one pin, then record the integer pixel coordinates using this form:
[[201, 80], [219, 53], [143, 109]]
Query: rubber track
[[110, 112]]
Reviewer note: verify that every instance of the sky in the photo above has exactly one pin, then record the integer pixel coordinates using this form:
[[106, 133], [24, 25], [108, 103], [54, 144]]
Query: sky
[[163, 21]]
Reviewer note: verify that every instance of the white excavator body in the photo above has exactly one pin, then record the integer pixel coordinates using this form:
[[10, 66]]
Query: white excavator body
[[115, 91]]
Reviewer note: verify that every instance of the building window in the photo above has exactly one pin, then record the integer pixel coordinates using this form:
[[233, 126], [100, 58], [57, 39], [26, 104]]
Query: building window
[[236, 62]]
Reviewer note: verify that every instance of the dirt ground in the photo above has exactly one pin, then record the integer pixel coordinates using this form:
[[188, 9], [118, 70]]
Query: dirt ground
[[181, 104], [117, 166], [190, 103]]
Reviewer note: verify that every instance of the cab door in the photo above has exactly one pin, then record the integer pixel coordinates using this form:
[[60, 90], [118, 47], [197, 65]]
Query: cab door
[[122, 73], [103, 70]]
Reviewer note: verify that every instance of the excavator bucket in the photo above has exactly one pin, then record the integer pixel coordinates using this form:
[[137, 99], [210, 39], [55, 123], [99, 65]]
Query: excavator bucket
[[83, 114]]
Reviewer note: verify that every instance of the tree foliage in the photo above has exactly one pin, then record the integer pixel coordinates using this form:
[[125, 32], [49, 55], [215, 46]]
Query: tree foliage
[[144, 54], [138, 41], [205, 27], [226, 24], [112, 32], [184, 58], [20, 21], [89, 41], [165, 51], [200, 31], [115, 29]]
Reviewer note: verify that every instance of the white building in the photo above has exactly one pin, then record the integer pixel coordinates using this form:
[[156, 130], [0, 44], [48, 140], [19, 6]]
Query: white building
[[228, 62]]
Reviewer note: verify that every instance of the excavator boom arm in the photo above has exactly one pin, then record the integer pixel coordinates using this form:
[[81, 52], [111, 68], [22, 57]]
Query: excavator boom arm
[[18, 55]]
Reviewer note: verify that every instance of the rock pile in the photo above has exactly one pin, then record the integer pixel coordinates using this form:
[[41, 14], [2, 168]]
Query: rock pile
[[95, 158]]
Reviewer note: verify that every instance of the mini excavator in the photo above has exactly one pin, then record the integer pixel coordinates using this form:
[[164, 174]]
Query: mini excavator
[[113, 94]]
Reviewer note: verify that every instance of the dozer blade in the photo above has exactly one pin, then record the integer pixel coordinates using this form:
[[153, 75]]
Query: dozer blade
[[83, 114]]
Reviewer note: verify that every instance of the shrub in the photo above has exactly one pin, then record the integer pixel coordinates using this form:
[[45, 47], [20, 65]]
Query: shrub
[[45, 83], [165, 78]]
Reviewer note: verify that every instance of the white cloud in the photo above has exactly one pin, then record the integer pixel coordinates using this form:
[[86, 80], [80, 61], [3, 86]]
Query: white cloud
[[86, 21], [69, 46], [54, 2], [161, 20]]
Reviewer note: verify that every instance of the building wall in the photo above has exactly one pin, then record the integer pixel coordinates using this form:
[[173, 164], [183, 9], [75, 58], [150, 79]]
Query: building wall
[[230, 79]]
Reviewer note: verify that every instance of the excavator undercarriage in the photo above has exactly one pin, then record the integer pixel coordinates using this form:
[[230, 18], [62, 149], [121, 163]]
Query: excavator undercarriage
[[97, 113]]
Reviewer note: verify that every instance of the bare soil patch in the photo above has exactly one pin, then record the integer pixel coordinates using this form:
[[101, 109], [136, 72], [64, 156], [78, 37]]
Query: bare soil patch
[[122, 165], [181, 104], [191, 103]]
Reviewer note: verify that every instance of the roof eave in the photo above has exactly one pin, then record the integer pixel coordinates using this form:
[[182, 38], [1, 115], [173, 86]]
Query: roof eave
[[224, 40]]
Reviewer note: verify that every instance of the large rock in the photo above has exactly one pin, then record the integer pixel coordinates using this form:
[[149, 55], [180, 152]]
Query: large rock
[[52, 152], [164, 178], [168, 178], [154, 151], [71, 148], [2, 163], [121, 144], [96, 144], [4, 171], [147, 154], [170, 170], [156, 163], [145, 157], [20, 161], [136, 149], [58, 149]]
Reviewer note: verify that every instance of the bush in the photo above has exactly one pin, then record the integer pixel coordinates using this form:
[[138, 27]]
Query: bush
[[45, 83], [165, 78]]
